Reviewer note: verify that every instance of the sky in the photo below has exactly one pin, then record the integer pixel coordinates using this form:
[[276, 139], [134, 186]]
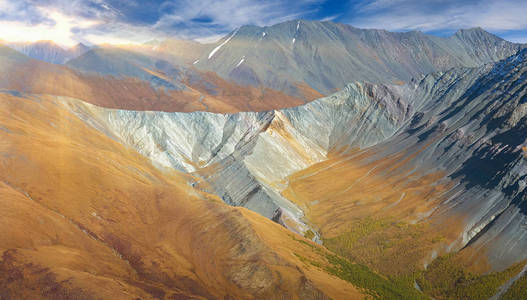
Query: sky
[[68, 22]]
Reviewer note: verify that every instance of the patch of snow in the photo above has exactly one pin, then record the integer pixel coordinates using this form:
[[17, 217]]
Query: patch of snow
[[222, 44], [297, 27], [241, 61], [197, 61]]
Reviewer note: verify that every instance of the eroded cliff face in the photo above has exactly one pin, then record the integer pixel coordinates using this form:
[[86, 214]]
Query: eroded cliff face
[[456, 163], [465, 126], [245, 158]]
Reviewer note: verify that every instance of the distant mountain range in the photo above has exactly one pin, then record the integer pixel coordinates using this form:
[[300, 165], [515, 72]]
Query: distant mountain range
[[326, 56], [49, 51], [293, 55], [122, 78], [290, 56]]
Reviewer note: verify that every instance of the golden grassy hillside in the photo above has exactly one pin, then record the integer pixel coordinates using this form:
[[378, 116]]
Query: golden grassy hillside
[[83, 217], [383, 214], [373, 211]]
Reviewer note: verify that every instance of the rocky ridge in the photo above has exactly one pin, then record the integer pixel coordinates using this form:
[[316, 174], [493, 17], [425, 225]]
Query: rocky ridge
[[468, 118], [327, 55]]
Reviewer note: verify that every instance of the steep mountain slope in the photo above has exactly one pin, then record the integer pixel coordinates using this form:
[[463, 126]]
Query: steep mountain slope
[[117, 61], [181, 50], [85, 217], [169, 73], [49, 51], [118, 78], [10, 57], [442, 155], [456, 164], [228, 150], [326, 56], [78, 50]]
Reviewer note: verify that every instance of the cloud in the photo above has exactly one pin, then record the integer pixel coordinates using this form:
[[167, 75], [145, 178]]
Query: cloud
[[56, 27], [435, 15], [136, 21], [22, 12], [517, 36], [330, 18], [208, 18], [140, 21], [209, 39], [57, 20], [204, 21]]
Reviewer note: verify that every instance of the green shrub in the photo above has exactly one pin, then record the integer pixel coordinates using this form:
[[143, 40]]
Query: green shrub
[[372, 283], [446, 278], [518, 291], [309, 235]]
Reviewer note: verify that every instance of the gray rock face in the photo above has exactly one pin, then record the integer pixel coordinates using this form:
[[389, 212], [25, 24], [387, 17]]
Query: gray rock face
[[360, 115], [182, 51], [246, 157], [470, 123], [326, 55]]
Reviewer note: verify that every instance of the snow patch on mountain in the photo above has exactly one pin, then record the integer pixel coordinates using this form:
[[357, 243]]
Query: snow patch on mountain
[[222, 44]]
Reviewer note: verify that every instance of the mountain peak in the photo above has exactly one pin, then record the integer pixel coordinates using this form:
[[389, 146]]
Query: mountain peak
[[49, 51], [475, 32], [80, 45], [78, 50], [471, 29], [46, 43]]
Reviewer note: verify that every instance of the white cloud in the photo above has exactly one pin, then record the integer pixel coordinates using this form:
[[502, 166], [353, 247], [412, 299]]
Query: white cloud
[[440, 15], [117, 33], [98, 21], [522, 40], [59, 30], [330, 18], [205, 21], [227, 15], [210, 39]]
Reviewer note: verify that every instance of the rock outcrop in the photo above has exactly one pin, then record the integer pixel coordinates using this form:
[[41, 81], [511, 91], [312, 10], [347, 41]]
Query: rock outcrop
[[246, 157]]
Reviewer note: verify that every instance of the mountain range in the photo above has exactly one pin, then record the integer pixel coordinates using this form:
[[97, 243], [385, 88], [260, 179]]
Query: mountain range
[[303, 160], [327, 56], [49, 51]]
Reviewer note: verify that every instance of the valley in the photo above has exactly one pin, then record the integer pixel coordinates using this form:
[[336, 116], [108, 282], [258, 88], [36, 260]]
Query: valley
[[302, 160]]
